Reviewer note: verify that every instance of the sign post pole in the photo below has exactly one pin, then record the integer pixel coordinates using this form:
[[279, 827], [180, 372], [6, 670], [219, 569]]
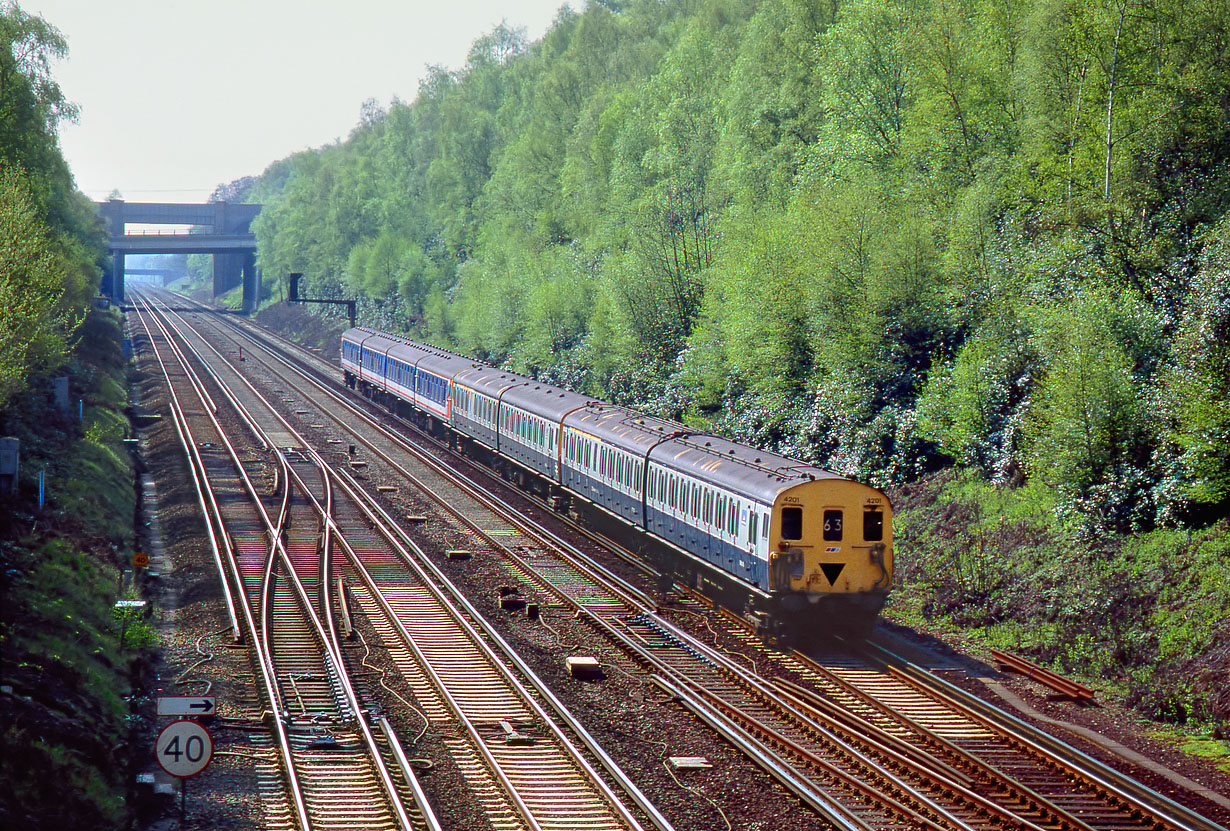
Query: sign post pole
[[184, 749]]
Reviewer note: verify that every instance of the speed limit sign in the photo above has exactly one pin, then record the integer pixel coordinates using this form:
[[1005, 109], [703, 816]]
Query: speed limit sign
[[184, 748]]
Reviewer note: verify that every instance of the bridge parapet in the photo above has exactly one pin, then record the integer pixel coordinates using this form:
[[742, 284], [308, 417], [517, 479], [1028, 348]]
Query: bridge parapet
[[222, 229]]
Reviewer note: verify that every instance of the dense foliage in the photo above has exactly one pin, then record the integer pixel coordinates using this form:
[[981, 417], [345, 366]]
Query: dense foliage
[[50, 236], [884, 235]]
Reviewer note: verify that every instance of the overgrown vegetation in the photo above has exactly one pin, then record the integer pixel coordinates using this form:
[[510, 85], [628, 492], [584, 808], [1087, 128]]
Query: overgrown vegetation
[[67, 716], [979, 246], [1142, 616], [50, 236], [64, 713]]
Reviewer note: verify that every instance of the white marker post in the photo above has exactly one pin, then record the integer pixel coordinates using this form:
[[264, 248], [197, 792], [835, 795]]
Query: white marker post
[[183, 749]]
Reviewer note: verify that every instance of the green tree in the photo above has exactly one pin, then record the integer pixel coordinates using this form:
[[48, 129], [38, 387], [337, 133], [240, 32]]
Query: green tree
[[35, 321], [1087, 428], [1196, 384]]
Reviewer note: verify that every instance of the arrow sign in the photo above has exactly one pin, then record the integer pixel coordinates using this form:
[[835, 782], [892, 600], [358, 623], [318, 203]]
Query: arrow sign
[[186, 705]]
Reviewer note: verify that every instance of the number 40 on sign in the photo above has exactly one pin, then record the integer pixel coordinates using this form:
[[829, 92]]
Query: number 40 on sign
[[184, 748]]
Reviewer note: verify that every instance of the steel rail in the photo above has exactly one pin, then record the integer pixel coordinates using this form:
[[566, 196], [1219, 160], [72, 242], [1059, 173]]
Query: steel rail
[[262, 659], [438, 582], [990, 772], [332, 530], [199, 475], [558, 706], [331, 648], [780, 769], [1102, 775]]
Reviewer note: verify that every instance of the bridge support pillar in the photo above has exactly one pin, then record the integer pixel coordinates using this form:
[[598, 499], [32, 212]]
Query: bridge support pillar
[[228, 272], [117, 278], [251, 284]]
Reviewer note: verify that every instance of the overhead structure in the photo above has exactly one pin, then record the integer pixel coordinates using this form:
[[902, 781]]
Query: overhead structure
[[222, 229]]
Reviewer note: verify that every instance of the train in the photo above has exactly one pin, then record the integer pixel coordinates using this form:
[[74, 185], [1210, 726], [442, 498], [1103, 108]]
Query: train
[[789, 546]]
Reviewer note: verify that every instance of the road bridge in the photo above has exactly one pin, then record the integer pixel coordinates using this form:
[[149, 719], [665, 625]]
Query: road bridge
[[222, 229]]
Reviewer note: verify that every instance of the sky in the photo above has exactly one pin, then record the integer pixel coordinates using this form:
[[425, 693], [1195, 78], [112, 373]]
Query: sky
[[178, 96]]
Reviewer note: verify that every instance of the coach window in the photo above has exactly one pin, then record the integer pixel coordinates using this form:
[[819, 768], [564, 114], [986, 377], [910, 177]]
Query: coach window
[[792, 523], [751, 528], [873, 525]]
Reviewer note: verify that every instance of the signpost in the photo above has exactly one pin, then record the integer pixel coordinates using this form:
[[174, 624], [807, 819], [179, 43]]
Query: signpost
[[140, 560], [186, 705], [184, 749]]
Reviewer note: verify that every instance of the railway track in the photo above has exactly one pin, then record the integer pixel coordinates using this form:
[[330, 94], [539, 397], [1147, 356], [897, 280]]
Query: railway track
[[859, 750], [515, 755], [341, 783]]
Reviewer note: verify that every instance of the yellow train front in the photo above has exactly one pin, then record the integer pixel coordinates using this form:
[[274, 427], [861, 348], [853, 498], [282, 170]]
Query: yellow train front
[[802, 549], [830, 551]]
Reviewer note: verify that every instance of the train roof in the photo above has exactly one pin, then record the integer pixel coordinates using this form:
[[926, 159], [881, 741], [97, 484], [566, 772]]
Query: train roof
[[487, 380], [737, 467], [442, 363], [545, 400], [622, 426], [376, 341], [744, 469]]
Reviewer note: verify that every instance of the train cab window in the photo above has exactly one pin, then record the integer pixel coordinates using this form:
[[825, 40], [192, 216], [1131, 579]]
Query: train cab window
[[792, 523], [832, 526], [873, 526], [751, 529]]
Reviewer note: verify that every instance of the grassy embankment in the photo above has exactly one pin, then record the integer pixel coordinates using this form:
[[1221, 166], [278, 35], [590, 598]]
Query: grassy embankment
[[66, 710], [1143, 618]]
